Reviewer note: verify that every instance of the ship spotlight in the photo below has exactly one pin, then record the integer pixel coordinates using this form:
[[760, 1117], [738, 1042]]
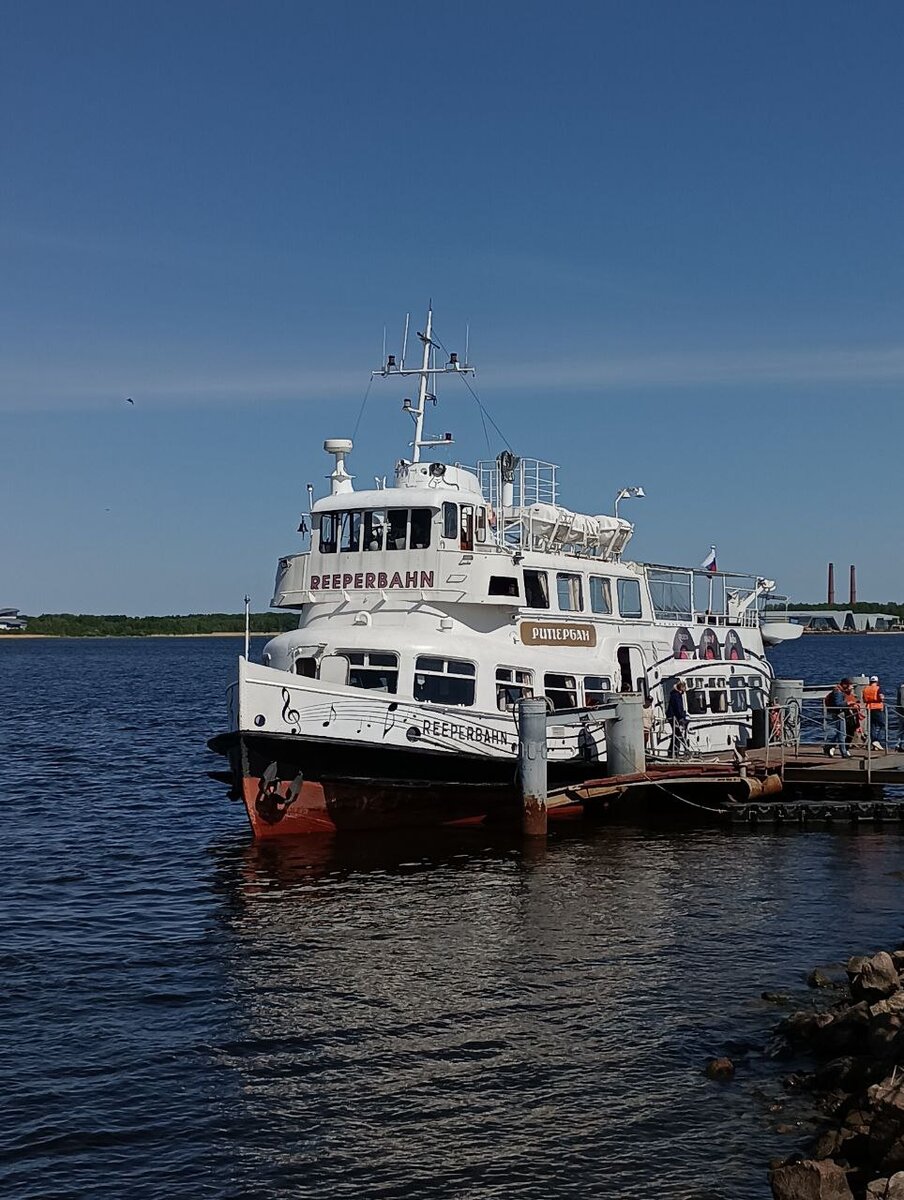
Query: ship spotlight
[[628, 493]]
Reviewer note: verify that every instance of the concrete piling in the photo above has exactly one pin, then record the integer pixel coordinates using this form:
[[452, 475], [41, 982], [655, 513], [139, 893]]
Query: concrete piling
[[532, 765], [625, 753]]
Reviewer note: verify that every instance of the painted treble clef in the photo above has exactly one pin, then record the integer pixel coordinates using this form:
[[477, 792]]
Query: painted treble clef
[[290, 715]]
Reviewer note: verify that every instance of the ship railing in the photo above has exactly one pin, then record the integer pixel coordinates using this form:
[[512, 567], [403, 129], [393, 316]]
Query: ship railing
[[854, 729]]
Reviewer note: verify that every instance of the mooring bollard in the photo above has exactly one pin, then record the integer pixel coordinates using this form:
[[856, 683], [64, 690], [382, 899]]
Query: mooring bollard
[[532, 765], [625, 754]]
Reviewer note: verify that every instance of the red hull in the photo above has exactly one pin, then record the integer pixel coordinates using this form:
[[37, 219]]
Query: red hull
[[330, 806]]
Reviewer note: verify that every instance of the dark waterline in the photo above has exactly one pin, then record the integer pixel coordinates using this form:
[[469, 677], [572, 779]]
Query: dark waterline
[[187, 1014]]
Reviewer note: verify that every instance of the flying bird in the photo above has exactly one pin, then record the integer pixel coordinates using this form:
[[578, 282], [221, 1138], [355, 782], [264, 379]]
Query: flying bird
[[129, 400]]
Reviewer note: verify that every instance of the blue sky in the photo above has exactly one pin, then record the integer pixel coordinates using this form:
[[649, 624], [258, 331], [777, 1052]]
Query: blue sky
[[675, 230]]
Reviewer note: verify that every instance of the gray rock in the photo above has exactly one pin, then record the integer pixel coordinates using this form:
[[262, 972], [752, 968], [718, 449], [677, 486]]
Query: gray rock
[[819, 979], [891, 1188], [810, 1180], [876, 979]]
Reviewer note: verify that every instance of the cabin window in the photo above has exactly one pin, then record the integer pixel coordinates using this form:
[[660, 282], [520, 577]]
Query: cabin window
[[512, 685], [374, 670], [536, 591], [444, 681], [450, 520], [374, 525], [718, 702], [596, 689], [397, 529], [306, 666], [350, 532], [738, 696], [629, 598], [329, 533], [421, 519], [481, 524], [561, 691], [600, 594], [569, 592], [503, 585], [696, 702], [466, 541]]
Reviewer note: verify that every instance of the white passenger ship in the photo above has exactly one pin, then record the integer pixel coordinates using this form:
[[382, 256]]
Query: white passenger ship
[[428, 608]]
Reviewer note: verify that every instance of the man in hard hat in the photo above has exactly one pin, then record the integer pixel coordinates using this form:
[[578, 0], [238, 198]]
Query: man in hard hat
[[874, 700]]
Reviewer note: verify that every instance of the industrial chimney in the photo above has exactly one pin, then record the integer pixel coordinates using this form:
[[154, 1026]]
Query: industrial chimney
[[853, 599], [831, 594]]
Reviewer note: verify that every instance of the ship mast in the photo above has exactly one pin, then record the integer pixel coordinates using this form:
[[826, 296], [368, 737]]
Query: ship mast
[[426, 389]]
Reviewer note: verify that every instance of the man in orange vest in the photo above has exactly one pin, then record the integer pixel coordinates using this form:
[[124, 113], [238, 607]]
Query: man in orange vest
[[874, 700]]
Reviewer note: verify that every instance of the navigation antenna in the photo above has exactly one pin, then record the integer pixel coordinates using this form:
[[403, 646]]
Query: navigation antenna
[[426, 391]]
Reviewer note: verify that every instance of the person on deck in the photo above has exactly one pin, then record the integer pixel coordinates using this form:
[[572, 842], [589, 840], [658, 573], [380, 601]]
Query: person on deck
[[874, 700], [836, 727], [676, 715], [853, 715]]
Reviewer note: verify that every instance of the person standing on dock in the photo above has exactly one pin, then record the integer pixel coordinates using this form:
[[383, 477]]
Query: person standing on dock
[[874, 699], [836, 708], [676, 715]]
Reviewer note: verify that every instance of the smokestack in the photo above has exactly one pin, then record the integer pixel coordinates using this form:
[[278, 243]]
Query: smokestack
[[831, 595], [853, 599]]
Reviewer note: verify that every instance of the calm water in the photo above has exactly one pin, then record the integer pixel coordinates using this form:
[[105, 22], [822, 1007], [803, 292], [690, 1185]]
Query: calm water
[[186, 1015]]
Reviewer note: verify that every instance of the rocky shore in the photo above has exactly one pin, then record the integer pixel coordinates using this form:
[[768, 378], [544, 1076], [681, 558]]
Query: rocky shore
[[856, 1044]]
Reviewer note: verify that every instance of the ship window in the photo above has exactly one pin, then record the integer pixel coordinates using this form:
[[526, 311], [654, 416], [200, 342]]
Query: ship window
[[569, 592], [738, 695], [421, 519], [374, 524], [512, 685], [467, 527], [329, 533], [629, 598], [396, 529], [561, 691], [372, 669], [306, 666], [481, 524], [718, 702], [596, 689], [351, 531], [696, 702], [536, 592], [444, 681], [503, 585], [600, 594], [450, 520]]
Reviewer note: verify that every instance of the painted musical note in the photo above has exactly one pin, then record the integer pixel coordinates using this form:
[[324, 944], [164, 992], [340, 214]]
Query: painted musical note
[[332, 717]]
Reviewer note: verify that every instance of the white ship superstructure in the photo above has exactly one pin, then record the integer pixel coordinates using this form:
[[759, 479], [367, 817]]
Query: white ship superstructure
[[429, 607]]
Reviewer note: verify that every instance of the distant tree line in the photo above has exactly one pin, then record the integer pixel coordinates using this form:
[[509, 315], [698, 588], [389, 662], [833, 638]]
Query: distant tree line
[[862, 606], [85, 625]]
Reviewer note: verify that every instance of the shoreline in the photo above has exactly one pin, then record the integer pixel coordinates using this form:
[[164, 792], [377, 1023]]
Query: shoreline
[[137, 637]]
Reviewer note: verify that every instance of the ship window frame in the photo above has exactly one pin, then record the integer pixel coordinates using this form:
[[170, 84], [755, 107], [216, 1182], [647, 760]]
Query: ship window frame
[[512, 689], [465, 676], [424, 515], [361, 664], [553, 690], [718, 701], [374, 521], [695, 700], [599, 694], [450, 520], [540, 581], [350, 521], [329, 545], [504, 585], [605, 589], [570, 585], [392, 542], [480, 524], [466, 526], [625, 583]]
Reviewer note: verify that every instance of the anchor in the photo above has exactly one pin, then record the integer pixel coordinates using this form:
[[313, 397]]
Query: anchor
[[270, 805]]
